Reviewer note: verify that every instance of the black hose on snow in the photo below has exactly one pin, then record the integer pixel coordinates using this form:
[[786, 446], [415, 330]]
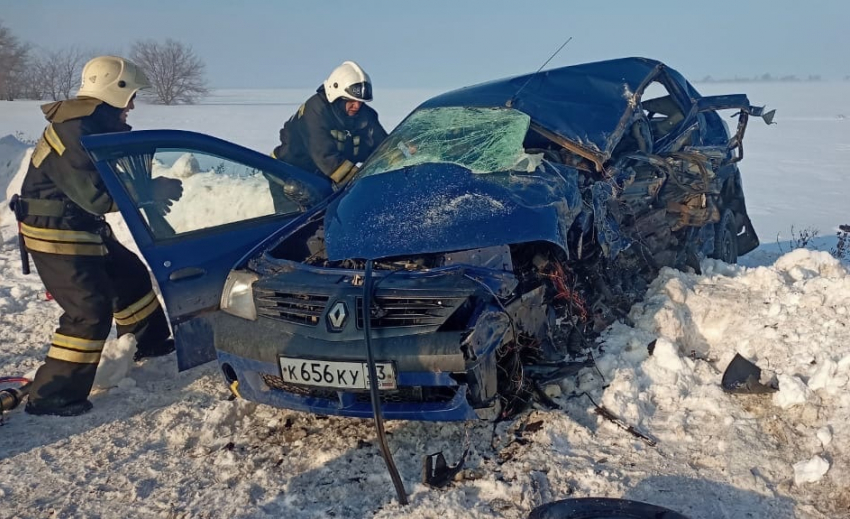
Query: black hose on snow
[[373, 387], [11, 398]]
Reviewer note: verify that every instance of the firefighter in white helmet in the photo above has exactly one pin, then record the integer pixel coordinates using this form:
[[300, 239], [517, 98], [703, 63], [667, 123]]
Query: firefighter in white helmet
[[88, 272], [334, 130]]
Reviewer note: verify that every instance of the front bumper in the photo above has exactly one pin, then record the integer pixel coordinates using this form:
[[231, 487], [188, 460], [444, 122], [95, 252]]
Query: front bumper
[[261, 382], [439, 328], [248, 351]]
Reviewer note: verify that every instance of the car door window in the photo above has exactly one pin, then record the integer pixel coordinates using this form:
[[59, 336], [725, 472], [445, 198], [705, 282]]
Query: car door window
[[216, 191]]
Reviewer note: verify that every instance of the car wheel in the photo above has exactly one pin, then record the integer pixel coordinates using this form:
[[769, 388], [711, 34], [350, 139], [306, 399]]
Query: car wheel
[[601, 508], [726, 238]]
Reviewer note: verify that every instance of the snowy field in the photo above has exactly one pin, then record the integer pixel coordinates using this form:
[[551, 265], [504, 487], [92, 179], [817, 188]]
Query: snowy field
[[165, 444]]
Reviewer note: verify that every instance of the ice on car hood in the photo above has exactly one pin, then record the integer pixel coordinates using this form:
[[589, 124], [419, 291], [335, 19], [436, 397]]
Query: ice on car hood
[[445, 207]]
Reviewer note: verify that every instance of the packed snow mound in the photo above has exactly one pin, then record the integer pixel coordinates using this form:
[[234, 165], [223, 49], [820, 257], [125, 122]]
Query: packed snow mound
[[810, 471], [14, 159], [224, 419], [184, 167], [11, 153], [211, 198], [792, 391], [688, 318], [663, 373], [803, 264], [115, 363]]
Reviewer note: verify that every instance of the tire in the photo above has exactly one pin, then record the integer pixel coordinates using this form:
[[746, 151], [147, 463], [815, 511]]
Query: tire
[[726, 238], [602, 508]]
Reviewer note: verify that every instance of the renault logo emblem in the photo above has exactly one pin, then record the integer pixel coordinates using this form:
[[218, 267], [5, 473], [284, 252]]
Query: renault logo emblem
[[337, 315]]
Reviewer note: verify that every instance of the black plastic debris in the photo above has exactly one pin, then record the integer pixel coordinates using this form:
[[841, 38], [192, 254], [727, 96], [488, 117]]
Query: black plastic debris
[[604, 412], [545, 374], [534, 426], [601, 508], [744, 377], [437, 473]]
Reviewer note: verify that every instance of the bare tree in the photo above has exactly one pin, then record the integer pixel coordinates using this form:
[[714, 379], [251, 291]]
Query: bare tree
[[57, 72], [13, 61], [175, 71], [29, 81]]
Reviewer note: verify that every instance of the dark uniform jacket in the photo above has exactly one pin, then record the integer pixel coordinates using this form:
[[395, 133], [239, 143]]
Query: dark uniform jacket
[[321, 137], [62, 189], [95, 279]]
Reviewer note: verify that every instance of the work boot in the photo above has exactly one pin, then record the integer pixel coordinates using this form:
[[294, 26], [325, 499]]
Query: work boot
[[163, 348], [46, 409]]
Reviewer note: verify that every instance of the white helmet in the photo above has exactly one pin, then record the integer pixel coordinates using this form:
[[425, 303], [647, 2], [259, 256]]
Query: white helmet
[[348, 81], [113, 80]]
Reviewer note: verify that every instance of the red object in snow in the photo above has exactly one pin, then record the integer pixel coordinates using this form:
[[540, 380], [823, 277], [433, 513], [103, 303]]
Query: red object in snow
[[48, 296]]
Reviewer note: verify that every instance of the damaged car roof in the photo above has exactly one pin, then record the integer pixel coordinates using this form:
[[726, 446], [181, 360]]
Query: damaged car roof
[[582, 103]]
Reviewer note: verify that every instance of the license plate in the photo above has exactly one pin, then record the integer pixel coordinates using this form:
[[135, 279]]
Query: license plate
[[342, 375]]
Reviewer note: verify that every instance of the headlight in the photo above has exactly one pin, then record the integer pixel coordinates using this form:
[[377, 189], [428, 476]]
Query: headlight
[[237, 298]]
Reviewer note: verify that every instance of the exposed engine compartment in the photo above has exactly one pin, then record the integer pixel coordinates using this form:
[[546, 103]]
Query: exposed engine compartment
[[557, 308]]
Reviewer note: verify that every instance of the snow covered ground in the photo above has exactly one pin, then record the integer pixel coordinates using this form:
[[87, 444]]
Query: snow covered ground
[[166, 444]]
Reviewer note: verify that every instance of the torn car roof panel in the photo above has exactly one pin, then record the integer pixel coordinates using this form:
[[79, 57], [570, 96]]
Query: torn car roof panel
[[581, 103]]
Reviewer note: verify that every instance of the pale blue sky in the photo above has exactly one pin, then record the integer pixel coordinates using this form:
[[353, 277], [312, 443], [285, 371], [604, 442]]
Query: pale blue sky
[[441, 44]]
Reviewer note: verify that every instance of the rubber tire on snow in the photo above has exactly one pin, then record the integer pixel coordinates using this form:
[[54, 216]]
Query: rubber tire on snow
[[601, 508], [726, 238]]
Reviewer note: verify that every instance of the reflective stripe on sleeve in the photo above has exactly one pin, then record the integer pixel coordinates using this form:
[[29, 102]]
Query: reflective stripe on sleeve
[[343, 170], [42, 150], [53, 140]]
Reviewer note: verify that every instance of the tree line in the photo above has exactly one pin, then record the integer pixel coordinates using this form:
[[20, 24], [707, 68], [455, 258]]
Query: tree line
[[761, 78], [176, 73]]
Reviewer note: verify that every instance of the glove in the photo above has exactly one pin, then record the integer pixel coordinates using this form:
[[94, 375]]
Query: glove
[[165, 191]]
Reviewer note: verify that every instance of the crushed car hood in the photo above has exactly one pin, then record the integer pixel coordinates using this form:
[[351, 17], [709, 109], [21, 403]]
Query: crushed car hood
[[582, 103], [444, 207]]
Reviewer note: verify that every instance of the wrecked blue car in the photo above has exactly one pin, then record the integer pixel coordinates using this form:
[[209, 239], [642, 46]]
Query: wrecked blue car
[[501, 227]]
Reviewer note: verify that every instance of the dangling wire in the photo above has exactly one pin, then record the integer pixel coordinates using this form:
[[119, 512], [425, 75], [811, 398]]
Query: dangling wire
[[373, 387]]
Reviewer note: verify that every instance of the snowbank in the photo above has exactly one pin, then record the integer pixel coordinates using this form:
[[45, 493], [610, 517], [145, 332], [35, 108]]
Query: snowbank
[[211, 197], [791, 319], [14, 158]]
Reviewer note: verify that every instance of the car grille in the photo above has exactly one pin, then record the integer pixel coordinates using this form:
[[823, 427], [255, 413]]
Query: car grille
[[316, 392], [402, 395], [388, 311], [411, 394], [291, 307], [401, 311]]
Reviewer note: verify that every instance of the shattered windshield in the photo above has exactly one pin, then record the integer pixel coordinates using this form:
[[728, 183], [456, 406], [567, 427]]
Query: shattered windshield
[[482, 140]]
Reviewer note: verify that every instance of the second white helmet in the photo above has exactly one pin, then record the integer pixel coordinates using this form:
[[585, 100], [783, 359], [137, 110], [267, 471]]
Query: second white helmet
[[348, 81], [113, 80]]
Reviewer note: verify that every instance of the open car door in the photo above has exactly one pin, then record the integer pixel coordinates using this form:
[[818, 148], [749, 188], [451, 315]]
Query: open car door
[[226, 211]]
